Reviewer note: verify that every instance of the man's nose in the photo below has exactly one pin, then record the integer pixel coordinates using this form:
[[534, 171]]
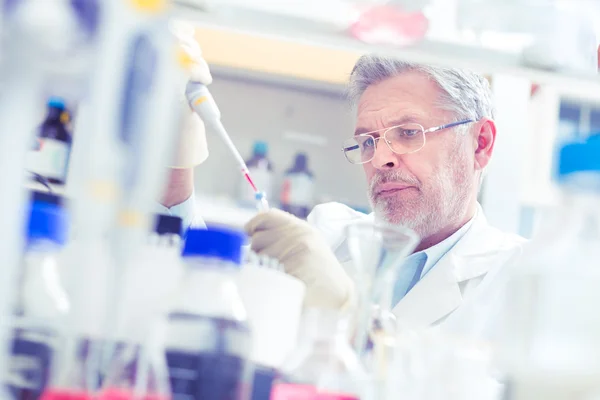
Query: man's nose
[[384, 157]]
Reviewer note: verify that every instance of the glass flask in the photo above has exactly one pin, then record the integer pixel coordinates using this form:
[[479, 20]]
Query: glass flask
[[378, 250]]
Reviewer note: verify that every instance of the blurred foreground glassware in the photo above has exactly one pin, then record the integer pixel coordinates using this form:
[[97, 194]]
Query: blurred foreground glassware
[[75, 370], [208, 339], [550, 340], [378, 250], [434, 366], [323, 366], [138, 372]]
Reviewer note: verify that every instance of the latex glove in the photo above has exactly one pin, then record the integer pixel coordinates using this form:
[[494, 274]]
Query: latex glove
[[192, 148], [305, 255]]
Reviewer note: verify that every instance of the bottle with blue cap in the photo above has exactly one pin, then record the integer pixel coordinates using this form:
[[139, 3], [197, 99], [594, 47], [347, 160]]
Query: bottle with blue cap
[[550, 330], [208, 338], [41, 303], [50, 156]]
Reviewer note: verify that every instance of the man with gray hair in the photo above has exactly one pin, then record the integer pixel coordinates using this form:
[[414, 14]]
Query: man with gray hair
[[424, 136]]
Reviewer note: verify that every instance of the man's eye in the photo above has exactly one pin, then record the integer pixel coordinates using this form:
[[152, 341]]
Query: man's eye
[[409, 132], [369, 142]]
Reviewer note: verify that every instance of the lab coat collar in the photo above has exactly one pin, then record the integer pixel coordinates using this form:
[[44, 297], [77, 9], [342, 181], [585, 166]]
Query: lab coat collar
[[438, 293]]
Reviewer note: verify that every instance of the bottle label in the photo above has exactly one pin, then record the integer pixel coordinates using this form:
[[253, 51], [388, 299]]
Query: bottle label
[[300, 190], [29, 368], [218, 368], [50, 160], [206, 376], [290, 391]]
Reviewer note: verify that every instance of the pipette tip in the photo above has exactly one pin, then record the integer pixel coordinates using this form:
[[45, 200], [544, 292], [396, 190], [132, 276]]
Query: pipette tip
[[261, 201]]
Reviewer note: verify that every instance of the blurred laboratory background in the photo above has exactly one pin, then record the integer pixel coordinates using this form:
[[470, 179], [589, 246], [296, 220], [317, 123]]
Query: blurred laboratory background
[[279, 78], [280, 74]]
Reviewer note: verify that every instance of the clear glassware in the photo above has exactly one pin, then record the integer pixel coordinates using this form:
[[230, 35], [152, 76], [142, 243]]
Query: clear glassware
[[138, 371], [378, 250], [549, 344], [75, 370], [324, 365]]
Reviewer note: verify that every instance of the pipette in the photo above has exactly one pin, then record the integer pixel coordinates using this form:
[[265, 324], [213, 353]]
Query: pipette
[[203, 104]]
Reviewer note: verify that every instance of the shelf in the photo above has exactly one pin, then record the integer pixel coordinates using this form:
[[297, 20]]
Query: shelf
[[484, 60]]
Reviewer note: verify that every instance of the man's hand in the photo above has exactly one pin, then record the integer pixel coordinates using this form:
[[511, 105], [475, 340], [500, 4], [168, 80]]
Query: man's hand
[[305, 255], [192, 148]]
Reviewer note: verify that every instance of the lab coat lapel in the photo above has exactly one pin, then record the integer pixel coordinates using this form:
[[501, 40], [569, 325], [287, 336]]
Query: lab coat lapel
[[438, 293]]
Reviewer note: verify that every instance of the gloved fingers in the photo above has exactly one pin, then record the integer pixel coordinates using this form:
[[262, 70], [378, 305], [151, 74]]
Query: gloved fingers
[[268, 220], [261, 241], [192, 53], [199, 72], [280, 243]]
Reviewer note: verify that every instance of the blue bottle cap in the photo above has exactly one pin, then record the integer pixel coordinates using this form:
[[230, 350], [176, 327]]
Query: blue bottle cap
[[47, 221], [575, 157], [222, 243], [260, 148], [56, 102]]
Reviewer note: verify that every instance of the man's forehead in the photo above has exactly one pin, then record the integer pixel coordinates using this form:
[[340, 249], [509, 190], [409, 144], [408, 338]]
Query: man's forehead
[[368, 124], [409, 97]]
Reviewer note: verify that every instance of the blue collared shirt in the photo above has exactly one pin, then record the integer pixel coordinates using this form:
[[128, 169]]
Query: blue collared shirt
[[418, 264]]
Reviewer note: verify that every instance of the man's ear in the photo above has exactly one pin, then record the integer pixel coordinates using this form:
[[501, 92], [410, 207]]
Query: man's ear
[[484, 142]]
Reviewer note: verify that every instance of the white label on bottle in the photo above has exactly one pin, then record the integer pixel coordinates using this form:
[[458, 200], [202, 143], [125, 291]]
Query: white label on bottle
[[301, 189], [50, 160]]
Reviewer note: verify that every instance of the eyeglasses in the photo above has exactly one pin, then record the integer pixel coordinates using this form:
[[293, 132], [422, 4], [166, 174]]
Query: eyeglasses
[[401, 139]]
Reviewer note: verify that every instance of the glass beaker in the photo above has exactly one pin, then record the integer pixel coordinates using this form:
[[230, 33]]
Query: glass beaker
[[378, 250]]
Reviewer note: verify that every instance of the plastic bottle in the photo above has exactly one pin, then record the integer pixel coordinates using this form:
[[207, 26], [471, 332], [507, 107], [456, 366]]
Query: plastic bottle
[[550, 342], [41, 304], [324, 365], [208, 340], [51, 158], [297, 193], [261, 171]]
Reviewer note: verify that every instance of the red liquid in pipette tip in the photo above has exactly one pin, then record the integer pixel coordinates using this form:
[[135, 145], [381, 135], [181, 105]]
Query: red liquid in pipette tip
[[247, 175], [107, 394]]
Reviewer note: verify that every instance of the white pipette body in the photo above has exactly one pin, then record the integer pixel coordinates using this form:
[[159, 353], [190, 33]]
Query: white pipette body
[[203, 104]]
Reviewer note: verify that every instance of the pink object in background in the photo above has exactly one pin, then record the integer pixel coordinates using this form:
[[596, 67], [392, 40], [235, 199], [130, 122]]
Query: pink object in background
[[390, 25]]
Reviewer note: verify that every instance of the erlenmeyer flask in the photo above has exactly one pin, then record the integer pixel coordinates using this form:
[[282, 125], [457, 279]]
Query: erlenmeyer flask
[[378, 250]]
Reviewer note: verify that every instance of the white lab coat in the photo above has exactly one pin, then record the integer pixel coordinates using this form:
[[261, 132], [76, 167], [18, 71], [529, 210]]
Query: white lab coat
[[452, 295]]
